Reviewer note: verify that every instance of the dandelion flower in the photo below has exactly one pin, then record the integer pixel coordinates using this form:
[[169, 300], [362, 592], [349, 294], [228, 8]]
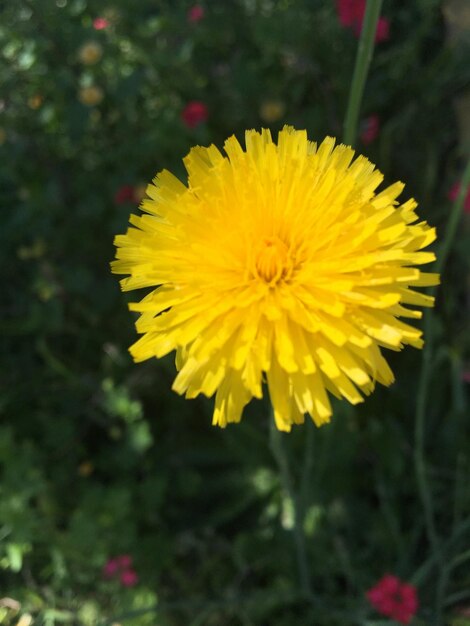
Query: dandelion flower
[[277, 264]]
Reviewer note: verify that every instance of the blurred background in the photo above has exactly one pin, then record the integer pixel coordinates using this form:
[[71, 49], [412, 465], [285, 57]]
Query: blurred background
[[119, 503]]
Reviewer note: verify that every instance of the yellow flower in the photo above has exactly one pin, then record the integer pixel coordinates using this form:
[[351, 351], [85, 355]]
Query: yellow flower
[[85, 469], [90, 96], [278, 264], [90, 53], [271, 111], [35, 102]]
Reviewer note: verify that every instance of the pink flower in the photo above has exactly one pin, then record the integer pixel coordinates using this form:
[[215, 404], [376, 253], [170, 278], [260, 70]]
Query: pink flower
[[124, 561], [454, 192], [121, 568], [394, 599], [383, 30], [195, 13], [100, 23], [111, 568], [347, 12], [351, 15], [194, 113], [466, 379], [370, 129], [129, 578]]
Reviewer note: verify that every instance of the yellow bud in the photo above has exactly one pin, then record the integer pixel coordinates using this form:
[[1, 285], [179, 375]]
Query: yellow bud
[[90, 96], [35, 101], [272, 110], [90, 53], [85, 469]]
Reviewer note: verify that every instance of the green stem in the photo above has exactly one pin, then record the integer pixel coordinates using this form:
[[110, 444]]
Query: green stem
[[453, 221], [306, 482], [425, 379], [361, 69], [279, 453], [419, 459]]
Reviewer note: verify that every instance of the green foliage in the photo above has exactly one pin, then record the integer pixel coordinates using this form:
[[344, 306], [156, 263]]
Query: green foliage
[[98, 457]]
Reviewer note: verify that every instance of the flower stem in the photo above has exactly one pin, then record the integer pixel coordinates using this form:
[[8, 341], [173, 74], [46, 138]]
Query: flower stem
[[279, 453], [425, 379], [453, 221], [361, 69]]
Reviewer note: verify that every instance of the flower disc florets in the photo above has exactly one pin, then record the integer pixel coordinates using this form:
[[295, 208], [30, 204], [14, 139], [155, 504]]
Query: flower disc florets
[[277, 264]]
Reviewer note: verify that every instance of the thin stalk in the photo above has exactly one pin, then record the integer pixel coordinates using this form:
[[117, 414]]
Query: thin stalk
[[279, 453], [425, 379], [419, 458], [307, 469], [361, 69], [453, 221]]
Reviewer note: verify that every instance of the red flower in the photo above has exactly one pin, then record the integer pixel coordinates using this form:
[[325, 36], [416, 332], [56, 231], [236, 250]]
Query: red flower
[[394, 599], [124, 194], [100, 23], [370, 129], [454, 192], [129, 578], [195, 13], [351, 15], [194, 113]]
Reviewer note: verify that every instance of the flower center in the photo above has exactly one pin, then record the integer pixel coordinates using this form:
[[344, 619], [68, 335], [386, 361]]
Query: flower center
[[272, 261]]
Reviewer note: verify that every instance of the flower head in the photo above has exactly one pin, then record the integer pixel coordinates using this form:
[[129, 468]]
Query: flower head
[[124, 561], [194, 113], [35, 102], [454, 192], [195, 13], [272, 110], [121, 568], [90, 96], [277, 264], [370, 129], [124, 194], [129, 578], [100, 23], [394, 599], [351, 15], [90, 53], [110, 568], [383, 30]]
